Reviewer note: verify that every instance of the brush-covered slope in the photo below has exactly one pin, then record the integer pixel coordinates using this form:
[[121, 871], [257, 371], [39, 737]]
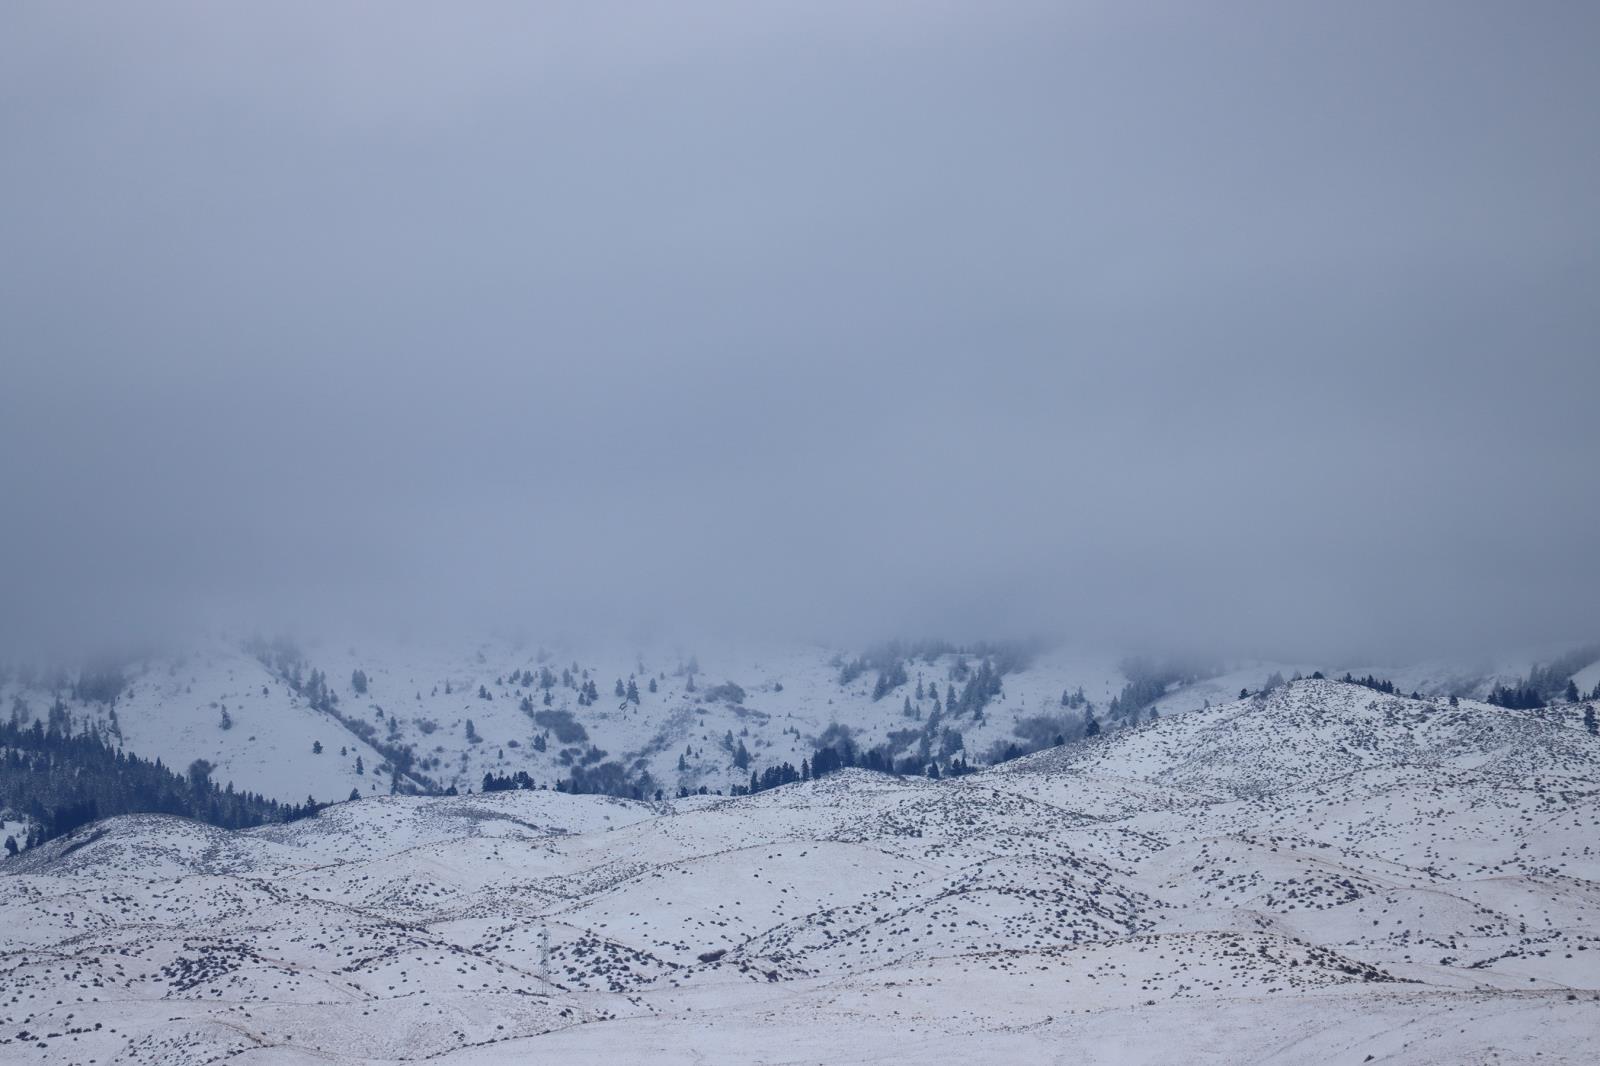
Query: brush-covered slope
[[1320, 875]]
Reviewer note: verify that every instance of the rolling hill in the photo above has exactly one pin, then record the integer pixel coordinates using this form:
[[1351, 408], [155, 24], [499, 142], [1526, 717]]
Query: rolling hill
[[1320, 874]]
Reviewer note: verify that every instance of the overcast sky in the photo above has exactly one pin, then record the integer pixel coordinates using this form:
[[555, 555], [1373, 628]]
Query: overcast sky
[[1267, 324]]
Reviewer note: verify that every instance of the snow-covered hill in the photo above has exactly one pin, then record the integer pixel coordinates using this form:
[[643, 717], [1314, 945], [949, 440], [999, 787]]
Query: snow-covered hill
[[1320, 874], [503, 707], [239, 710]]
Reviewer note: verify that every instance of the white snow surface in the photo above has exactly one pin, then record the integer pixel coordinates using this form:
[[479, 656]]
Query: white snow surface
[[1324, 874], [421, 696]]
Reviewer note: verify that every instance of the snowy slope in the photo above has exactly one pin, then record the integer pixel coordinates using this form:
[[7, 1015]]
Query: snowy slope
[[224, 704], [423, 697], [1320, 874]]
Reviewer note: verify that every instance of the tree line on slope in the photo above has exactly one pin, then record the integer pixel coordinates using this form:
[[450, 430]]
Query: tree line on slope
[[1547, 682], [283, 658], [61, 781]]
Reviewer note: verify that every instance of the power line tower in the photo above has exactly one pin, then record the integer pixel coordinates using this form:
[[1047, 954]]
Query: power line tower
[[544, 954]]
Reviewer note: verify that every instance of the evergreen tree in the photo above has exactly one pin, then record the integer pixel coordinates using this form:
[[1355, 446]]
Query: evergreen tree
[[59, 781]]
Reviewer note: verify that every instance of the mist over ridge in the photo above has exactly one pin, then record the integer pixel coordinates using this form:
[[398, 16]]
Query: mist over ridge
[[839, 322]]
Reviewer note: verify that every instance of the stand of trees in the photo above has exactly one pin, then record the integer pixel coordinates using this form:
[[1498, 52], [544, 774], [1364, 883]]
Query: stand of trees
[[832, 758], [1386, 687], [1547, 682], [1148, 681], [980, 684], [1521, 697], [507, 782], [61, 782]]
